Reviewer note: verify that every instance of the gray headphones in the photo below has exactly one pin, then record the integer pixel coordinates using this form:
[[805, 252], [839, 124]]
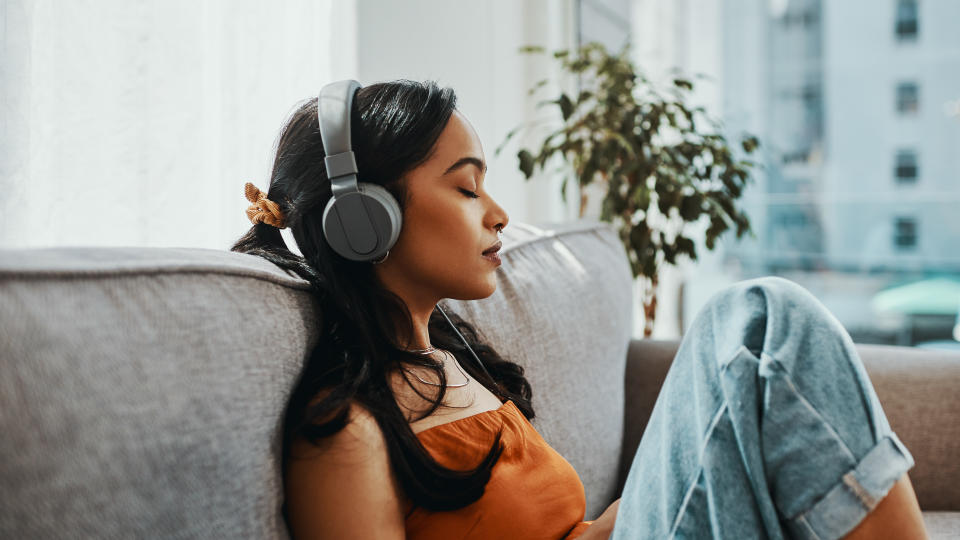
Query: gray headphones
[[361, 221]]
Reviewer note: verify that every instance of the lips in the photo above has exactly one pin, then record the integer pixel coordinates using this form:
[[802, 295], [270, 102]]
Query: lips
[[493, 249]]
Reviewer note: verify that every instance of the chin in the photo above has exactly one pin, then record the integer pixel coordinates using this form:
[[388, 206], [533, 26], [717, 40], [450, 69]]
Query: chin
[[492, 289], [478, 292], [491, 285]]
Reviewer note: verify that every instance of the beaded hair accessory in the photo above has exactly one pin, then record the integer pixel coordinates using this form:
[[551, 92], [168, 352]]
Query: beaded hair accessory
[[263, 210]]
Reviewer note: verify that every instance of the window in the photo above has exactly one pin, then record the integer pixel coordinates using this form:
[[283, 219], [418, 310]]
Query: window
[[798, 156], [878, 186], [40, 86], [806, 19], [908, 98], [604, 21], [905, 233], [906, 25], [812, 110], [905, 170]]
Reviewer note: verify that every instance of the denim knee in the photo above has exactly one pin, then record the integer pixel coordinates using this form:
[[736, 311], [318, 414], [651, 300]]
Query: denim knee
[[766, 381], [821, 419], [775, 317], [791, 332]]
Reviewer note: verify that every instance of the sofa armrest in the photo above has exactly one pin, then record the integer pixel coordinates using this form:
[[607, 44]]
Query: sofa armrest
[[648, 361], [919, 390]]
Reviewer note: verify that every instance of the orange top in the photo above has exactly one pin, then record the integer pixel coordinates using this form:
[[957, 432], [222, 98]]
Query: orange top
[[533, 492]]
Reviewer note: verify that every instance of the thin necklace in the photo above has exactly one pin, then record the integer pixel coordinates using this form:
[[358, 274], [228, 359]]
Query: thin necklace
[[455, 363]]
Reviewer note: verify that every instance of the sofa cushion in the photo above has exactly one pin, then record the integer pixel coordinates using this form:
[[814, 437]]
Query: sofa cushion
[[142, 391], [942, 525], [918, 391]]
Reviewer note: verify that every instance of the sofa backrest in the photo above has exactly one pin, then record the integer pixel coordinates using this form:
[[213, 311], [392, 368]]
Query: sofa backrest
[[142, 389], [142, 392]]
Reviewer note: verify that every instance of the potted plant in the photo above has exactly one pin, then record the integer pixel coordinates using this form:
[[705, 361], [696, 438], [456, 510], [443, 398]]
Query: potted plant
[[663, 165]]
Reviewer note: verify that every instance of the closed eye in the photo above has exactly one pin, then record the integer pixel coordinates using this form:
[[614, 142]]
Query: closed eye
[[468, 193]]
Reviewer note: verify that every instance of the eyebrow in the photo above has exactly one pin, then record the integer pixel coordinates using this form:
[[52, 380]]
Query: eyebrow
[[468, 160]]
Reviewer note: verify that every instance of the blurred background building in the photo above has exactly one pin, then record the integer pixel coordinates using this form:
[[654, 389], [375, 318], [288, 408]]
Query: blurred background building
[[138, 123], [855, 103]]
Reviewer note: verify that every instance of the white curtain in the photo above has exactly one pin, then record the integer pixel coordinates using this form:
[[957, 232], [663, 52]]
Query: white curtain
[[136, 123]]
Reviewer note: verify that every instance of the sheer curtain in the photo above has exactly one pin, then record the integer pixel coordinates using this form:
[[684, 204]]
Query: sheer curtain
[[136, 123]]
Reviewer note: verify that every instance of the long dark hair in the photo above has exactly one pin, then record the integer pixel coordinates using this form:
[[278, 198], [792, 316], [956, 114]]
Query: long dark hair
[[394, 126]]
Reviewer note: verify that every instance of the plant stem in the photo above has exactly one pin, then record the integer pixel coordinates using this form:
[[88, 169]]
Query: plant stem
[[650, 306]]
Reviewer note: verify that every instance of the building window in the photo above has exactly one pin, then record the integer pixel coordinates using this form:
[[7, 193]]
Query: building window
[[908, 98], [905, 233], [808, 18], [906, 25], [905, 170]]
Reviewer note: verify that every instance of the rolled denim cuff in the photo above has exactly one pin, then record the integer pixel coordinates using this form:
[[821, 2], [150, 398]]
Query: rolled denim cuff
[[857, 493]]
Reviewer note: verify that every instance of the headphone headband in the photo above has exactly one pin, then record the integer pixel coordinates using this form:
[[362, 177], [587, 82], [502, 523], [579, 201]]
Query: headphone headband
[[361, 221], [333, 108]]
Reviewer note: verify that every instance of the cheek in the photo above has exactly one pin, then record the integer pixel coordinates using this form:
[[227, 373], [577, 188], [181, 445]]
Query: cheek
[[437, 246], [443, 264], [437, 229]]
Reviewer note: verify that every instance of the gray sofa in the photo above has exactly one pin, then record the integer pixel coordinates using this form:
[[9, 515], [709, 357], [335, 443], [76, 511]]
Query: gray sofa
[[142, 390]]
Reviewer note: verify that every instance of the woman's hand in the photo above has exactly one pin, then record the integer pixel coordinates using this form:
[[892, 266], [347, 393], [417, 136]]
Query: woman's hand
[[601, 528]]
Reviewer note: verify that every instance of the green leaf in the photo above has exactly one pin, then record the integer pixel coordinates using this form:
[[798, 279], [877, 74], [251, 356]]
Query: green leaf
[[641, 197], [618, 203], [526, 162], [639, 237], [669, 254], [743, 224], [622, 142], [589, 170], [691, 207], [536, 86], [717, 226], [683, 83], [566, 106], [686, 245], [648, 262], [606, 211], [506, 139]]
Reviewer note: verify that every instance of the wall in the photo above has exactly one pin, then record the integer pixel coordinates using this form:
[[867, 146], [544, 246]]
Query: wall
[[472, 47]]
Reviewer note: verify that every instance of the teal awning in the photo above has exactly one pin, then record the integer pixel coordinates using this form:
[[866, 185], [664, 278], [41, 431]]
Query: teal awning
[[933, 296]]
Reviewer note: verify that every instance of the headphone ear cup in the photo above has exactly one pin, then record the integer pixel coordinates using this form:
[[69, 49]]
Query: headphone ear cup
[[385, 219], [386, 200]]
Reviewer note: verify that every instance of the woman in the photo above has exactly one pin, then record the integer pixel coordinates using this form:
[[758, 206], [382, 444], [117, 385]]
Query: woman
[[395, 430]]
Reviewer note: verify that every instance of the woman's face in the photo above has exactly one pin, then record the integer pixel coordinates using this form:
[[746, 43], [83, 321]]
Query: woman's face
[[445, 230]]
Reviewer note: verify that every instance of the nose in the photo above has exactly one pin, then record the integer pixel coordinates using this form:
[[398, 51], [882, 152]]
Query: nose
[[497, 216]]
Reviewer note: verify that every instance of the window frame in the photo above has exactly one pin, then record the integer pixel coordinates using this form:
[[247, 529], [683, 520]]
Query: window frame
[[905, 227], [907, 98], [906, 160], [906, 25]]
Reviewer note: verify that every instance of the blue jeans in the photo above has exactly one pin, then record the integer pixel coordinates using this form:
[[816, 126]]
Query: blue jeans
[[766, 426]]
